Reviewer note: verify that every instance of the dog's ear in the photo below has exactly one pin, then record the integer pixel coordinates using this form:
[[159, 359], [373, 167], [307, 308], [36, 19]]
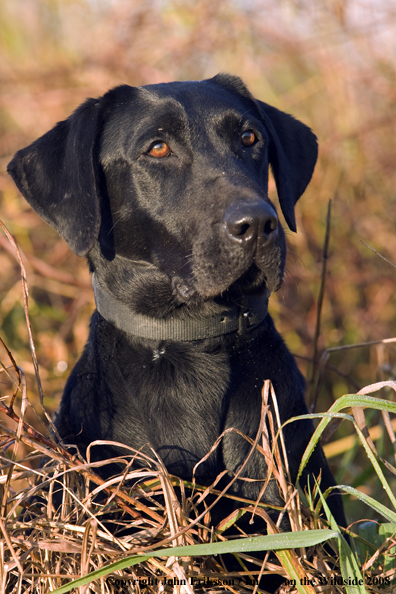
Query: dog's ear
[[56, 174], [293, 152]]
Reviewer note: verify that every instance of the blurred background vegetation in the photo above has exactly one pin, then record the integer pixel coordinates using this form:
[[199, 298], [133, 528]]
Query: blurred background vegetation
[[331, 63]]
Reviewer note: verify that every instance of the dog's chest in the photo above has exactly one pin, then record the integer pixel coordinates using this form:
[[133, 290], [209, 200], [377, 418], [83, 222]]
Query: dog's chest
[[179, 395]]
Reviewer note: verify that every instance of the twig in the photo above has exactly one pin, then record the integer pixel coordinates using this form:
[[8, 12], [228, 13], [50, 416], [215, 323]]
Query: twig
[[17, 371], [11, 548], [312, 382], [346, 347], [25, 293], [378, 254]]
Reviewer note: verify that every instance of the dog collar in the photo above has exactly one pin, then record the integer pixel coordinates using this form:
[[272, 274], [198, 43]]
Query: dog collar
[[241, 317]]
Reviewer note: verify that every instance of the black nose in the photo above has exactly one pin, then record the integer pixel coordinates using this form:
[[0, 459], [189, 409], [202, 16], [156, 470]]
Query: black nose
[[248, 222]]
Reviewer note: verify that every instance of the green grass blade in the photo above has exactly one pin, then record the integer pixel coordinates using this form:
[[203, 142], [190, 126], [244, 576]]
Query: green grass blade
[[373, 459], [287, 562], [230, 521], [347, 401], [274, 542], [353, 579], [350, 571], [378, 507], [388, 531], [325, 420]]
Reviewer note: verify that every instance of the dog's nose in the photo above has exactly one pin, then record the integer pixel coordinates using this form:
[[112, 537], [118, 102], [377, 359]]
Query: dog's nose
[[247, 222]]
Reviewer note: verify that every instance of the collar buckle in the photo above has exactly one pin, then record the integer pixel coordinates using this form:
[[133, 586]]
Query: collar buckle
[[246, 319]]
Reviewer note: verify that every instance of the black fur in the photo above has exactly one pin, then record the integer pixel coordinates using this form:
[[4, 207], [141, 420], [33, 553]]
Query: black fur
[[172, 236]]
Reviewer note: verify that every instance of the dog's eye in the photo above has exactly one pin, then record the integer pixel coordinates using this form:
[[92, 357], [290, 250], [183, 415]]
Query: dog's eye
[[248, 138], [159, 150]]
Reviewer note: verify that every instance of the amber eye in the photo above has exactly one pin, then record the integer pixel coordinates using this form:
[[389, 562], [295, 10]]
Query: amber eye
[[248, 138], [159, 150]]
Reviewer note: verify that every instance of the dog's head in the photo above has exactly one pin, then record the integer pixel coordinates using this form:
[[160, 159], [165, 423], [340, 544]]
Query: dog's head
[[174, 176]]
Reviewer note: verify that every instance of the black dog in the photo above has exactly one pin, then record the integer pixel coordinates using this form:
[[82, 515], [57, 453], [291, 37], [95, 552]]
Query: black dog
[[164, 189]]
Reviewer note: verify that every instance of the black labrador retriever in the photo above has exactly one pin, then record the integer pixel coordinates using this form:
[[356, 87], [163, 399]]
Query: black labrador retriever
[[164, 189]]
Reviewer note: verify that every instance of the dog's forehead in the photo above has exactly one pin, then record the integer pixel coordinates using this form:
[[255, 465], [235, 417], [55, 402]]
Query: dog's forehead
[[195, 99], [192, 104]]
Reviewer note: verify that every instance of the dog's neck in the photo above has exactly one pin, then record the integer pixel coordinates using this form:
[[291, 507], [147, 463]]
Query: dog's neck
[[239, 317]]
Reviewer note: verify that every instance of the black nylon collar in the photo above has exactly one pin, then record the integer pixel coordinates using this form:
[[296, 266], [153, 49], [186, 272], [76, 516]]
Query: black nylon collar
[[242, 317]]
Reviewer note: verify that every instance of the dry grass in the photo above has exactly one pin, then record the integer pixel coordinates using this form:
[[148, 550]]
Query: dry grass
[[66, 522]]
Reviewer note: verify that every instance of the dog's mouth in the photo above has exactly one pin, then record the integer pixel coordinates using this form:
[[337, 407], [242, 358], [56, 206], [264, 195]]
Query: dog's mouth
[[252, 281]]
